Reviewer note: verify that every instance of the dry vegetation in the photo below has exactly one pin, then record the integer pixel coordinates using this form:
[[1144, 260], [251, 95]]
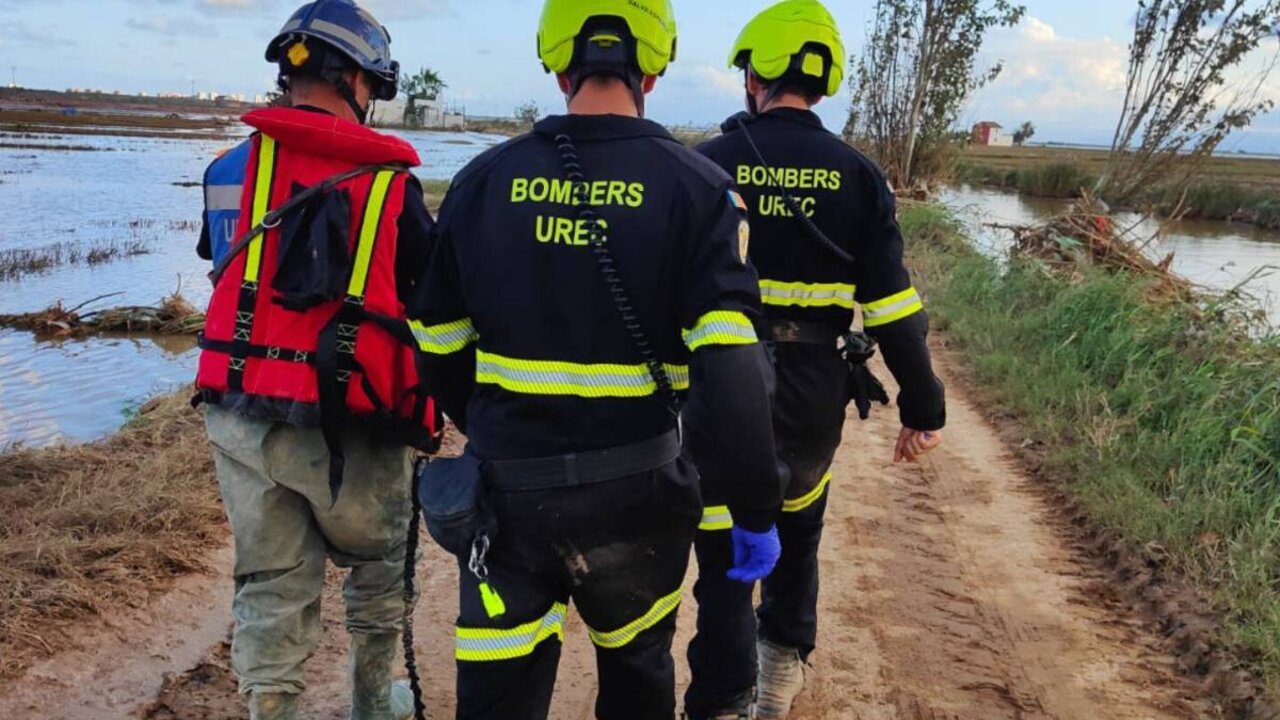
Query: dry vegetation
[[173, 316], [1087, 235], [16, 262], [91, 528], [169, 125]]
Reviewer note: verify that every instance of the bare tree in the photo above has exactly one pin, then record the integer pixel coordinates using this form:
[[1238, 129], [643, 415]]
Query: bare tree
[[1187, 89], [528, 113], [916, 72]]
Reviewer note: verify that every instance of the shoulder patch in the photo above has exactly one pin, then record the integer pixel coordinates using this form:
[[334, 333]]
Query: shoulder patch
[[736, 200], [744, 241]]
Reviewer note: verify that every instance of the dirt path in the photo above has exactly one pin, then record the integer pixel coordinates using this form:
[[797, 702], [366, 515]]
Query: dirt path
[[950, 592]]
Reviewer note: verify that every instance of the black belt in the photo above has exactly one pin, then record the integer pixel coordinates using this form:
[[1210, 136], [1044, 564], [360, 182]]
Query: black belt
[[803, 333], [587, 468]]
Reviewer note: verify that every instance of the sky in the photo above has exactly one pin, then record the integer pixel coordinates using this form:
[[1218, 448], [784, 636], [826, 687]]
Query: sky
[[1064, 65]]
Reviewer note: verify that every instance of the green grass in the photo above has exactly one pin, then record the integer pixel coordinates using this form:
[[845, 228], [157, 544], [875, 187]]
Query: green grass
[[1238, 189], [434, 190], [1218, 201], [1163, 421], [1056, 180]]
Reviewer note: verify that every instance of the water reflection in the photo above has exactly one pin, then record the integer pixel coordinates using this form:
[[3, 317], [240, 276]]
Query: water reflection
[[79, 389], [1213, 254]]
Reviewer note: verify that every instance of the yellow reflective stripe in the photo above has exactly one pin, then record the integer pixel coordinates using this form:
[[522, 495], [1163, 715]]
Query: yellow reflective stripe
[[491, 645], [369, 232], [624, 635], [798, 294], [803, 502], [444, 339], [892, 308], [721, 327], [263, 182], [553, 377], [716, 518]]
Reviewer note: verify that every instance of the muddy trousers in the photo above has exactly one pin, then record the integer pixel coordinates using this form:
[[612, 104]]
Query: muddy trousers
[[617, 551], [809, 415], [274, 483]]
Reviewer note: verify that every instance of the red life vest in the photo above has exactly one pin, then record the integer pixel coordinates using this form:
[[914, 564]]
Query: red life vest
[[352, 356]]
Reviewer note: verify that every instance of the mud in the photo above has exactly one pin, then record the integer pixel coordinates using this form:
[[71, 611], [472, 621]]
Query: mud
[[955, 590]]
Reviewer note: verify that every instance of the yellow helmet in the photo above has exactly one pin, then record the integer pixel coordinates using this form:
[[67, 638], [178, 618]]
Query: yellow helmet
[[652, 24], [774, 43]]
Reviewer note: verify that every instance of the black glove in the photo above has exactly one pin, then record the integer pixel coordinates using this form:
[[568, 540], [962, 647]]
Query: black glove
[[864, 387]]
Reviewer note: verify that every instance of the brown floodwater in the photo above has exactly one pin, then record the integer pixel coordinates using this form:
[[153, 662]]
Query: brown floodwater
[[1217, 255]]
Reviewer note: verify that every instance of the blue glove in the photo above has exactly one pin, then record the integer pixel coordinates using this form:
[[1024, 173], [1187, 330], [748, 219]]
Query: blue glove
[[754, 554]]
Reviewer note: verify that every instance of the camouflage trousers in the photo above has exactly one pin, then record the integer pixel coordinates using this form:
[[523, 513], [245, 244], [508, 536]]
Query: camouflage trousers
[[274, 480]]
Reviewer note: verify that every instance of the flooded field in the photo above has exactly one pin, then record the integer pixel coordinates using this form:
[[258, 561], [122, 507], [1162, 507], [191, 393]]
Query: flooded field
[[118, 190], [1216, 255]]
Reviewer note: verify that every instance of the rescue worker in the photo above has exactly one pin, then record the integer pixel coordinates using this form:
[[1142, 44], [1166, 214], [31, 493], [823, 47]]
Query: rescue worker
[[223, 187], [791, 55], [563, 347], [308, 370]]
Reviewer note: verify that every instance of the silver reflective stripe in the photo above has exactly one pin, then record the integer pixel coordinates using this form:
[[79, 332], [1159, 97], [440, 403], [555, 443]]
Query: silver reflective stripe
[[353, 39], [773, 292], [482, 645], [291, 25], [896, 307], [223, 197]]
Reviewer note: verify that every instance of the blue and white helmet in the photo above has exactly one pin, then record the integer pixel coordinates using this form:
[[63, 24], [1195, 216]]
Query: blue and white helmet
[[348, 28]]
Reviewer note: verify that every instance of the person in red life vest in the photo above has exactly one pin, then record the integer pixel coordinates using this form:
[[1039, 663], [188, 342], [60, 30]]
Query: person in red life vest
[[308, 370]]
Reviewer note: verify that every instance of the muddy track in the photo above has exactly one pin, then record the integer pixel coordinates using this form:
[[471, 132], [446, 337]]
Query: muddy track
[[951, 591]]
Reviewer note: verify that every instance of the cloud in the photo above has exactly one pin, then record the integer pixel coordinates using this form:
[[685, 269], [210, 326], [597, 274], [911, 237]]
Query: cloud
[[17, 33], [171, 26], [231, 4], [719, 81], [1051, 78], [390, 10], [385, 10]]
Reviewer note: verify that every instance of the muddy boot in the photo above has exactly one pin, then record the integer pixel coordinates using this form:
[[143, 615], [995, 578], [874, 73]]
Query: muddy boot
[[273, 706], [372, 659], [781, 681]]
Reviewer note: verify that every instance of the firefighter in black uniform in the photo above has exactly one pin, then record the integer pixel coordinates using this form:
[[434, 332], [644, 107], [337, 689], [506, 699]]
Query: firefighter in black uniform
[[588, 278], [791, 54]]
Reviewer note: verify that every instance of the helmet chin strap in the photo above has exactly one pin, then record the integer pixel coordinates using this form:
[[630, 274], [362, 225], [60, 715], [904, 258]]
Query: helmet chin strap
[[349, 95]]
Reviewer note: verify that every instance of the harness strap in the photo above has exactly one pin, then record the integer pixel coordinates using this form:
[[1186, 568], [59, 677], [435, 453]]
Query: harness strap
[[260, 352], [587, 468], [336, 348]]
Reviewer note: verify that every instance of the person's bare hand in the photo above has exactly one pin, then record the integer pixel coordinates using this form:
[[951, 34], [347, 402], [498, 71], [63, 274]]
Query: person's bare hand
[[915, 444]]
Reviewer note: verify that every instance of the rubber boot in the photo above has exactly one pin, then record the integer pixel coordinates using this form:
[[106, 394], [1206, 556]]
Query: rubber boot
[[372, 659], [273, 706], [402, 706], [780, 682]]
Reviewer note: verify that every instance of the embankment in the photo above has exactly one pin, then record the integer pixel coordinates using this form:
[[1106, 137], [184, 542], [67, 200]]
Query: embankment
[[1160, 418], [97, 528], [1235, 189]]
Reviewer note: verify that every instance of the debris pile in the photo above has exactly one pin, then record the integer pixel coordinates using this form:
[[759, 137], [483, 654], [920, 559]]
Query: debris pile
[[1088, 234], [173, 316]]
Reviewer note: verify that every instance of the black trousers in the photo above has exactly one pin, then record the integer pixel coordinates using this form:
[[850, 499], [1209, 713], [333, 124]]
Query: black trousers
[[809, 414], [619, 551]]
